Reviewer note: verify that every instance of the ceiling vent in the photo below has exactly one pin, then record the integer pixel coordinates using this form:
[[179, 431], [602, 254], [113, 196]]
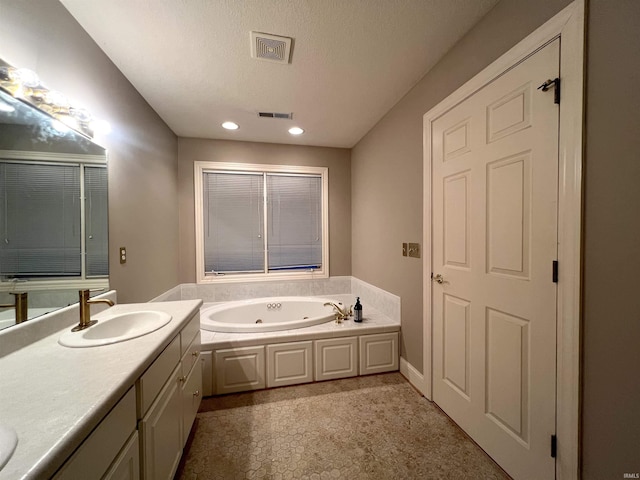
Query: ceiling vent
[[270, 47], [288, 116]]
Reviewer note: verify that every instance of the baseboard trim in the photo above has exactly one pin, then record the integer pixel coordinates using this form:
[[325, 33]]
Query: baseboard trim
[[414, 377]]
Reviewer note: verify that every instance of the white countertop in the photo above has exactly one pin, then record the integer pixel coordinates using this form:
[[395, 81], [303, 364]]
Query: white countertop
[[53, 396]]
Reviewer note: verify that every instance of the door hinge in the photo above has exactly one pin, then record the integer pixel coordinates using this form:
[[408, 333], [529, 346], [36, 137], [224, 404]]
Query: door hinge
[[554, 446], [556, 92], [554, 274]]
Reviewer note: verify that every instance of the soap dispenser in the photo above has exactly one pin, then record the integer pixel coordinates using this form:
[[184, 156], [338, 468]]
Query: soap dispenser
[[357, 311]]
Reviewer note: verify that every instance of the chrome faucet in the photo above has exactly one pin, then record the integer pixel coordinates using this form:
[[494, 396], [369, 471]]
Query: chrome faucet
[[341, 312], [85, 309], [21, 306]]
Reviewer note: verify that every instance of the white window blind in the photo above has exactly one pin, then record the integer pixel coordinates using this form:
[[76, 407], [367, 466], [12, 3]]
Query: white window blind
[[41, 230], [96, 221], [233, 222], [295, 221]]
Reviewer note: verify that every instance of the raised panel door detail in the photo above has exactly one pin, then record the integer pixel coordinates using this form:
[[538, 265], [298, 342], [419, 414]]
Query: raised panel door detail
[[456, 220], [191, 398], [161, 431], [507, 367], [378, 353], [509, 114], [456, 140], [336, 358], [509, 216], [127, 465], [455, 349], [239, 369], [289, 363]]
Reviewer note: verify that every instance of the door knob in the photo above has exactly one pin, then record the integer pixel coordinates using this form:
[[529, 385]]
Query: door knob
[[438, 278]]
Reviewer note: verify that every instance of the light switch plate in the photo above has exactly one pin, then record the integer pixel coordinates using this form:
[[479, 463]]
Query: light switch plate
[[404, 249], [414, 250]]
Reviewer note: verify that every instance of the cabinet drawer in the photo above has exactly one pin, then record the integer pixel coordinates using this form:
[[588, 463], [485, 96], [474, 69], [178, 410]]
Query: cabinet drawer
[[93, 457], [191, 356], [152, 380], [191, 397], [189, 332]]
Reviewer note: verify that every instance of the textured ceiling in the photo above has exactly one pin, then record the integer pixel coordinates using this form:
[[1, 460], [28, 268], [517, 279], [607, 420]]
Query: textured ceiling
[[351, 60]]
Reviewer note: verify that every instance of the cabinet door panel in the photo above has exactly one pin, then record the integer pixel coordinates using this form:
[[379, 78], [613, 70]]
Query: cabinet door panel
[[191, 397], [161, 431], [127, 464]]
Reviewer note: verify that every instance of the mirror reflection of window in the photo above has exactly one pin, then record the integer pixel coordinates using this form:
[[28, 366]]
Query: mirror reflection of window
[[42, 222]]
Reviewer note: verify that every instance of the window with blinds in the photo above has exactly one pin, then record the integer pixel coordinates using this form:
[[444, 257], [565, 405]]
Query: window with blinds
[[42, 220], [260, 220]]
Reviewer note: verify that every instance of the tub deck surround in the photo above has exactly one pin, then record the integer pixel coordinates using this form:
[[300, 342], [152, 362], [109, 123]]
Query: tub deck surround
[[374, 322], [54, 396]]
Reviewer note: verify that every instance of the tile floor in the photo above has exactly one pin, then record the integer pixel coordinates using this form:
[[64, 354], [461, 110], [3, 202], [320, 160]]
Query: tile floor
[[374, 427]]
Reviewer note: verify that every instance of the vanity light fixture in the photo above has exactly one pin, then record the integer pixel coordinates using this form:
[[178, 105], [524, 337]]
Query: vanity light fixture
[[296, 131], [230, 125]]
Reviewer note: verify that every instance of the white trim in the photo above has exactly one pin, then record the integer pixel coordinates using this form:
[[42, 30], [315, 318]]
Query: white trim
[[200, 167], [62, 284], [414, 377], [52, 157], [569, 26]]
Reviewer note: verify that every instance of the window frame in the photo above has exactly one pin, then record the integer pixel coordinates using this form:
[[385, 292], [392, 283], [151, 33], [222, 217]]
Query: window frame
[[56, 283], [200, 167]]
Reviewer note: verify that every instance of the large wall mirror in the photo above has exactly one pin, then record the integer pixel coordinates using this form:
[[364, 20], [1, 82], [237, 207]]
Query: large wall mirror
[[53, 212]]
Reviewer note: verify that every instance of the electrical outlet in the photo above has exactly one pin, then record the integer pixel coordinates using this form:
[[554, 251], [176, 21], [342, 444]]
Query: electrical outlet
[[123, 255], [404, 249], [414, 250]]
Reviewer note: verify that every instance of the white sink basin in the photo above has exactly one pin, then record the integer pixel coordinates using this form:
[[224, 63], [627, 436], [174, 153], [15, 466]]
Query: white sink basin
[[8, 442], [115, 328]]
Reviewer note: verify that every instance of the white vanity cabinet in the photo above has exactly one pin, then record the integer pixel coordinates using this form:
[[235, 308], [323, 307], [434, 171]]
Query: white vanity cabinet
[[168, 400], [108, 447]]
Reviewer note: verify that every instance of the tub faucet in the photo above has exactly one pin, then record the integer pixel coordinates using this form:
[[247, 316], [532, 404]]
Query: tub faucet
[[85, 309], [341, 312], [21, 306]]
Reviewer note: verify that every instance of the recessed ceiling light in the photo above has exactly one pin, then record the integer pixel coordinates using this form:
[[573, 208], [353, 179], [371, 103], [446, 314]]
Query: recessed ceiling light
[[230, 125], [296, 131]]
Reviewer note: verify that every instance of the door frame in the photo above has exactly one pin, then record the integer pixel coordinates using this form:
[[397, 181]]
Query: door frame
[[568, 25]]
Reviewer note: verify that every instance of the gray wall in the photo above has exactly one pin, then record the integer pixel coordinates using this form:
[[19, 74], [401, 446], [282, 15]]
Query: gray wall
[[142, 150], [336, 159], [387, 210], [611, 291], [387, 163]]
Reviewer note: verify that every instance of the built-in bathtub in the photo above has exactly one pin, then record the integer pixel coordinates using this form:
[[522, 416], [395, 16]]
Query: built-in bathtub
[[272, 314]]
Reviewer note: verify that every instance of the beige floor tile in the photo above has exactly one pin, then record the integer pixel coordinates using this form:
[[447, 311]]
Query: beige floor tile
[[374, 427]]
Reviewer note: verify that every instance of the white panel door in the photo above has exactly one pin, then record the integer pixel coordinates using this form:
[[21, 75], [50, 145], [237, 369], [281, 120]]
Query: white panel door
[[494, 184]]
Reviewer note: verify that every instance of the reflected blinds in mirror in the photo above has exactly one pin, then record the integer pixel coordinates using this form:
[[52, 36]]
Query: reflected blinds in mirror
[[41, 228], [96, 221]]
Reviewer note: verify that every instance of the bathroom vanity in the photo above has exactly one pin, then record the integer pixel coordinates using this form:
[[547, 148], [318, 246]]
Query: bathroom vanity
[[122, 410]]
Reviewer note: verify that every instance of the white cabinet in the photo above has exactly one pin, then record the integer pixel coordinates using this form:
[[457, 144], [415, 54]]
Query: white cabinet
[[378, 353], [336, 358], [289, 363], [127, 465], [161, 432], [165, 423], [93, 458], [239, 369]]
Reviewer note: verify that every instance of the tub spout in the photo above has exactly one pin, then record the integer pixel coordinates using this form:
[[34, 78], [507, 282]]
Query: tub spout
[[341, 312]]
